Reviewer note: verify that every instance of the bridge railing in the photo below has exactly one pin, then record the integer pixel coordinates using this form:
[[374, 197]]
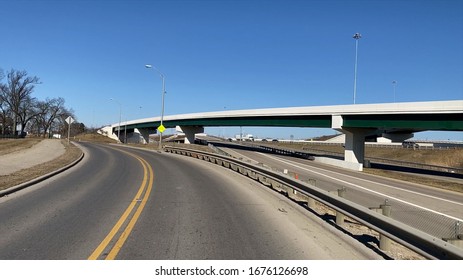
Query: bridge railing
[[424, 244]]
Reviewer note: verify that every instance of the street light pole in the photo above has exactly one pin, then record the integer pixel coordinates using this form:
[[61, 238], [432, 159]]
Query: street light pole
[[120, 116], [356, 36], [125, 130], [394, 84], [149, 66]]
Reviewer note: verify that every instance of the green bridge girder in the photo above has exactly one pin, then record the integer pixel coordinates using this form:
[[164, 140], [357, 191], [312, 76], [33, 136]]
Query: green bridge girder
[[411, 122]]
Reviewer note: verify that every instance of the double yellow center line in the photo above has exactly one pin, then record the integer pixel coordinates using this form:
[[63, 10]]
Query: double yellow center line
[[128, 218]]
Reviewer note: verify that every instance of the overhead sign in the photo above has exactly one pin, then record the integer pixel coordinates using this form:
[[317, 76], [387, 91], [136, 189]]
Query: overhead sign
[[161, 128]]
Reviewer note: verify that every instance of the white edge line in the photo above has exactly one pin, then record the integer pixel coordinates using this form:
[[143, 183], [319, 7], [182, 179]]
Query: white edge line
[[375, 192]]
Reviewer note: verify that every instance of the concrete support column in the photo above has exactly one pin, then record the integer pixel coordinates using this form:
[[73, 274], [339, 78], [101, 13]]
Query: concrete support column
[[145, 133], [190, 132], [355, 146]]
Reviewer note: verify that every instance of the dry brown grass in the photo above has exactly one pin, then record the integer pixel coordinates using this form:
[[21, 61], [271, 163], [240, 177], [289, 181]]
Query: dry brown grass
[[93, 137], [441, 157], [71, 154], [417, 179], [13, 145]]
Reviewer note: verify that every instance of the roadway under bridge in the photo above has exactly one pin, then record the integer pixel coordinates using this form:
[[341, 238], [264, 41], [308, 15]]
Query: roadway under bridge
[[395, 122]]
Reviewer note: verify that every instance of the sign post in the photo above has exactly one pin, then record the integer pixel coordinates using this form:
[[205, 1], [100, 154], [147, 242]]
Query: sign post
[[69, 120], [160, 129]]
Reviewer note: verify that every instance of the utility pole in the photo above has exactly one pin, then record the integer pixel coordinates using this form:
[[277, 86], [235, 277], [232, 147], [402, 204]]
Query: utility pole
[[356, 36]]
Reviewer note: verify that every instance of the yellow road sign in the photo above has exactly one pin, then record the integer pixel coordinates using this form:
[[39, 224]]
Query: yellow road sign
[[161, 128]]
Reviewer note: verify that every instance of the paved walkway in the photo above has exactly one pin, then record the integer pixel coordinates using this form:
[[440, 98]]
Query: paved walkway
[[44, 151]]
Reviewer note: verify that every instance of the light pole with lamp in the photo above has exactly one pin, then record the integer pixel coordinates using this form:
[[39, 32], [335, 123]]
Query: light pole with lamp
[[120, 115], [356, 36], [163, 93], [394, 85]]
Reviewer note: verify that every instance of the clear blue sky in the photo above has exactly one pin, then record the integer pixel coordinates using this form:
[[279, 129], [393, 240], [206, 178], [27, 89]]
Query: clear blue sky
[[227, 55]]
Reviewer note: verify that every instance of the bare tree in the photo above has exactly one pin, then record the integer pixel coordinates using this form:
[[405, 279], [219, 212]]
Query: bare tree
[[27, 112], [4, 109], [16, 93], [5, 116], [49, 112]]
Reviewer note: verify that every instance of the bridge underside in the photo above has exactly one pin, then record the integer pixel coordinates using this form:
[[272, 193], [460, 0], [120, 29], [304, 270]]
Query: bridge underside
[[356, 127], [275, 121], [411, 122]]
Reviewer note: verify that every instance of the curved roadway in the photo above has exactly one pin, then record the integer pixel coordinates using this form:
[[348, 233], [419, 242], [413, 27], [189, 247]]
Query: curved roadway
[[435, 211], [123, 203]]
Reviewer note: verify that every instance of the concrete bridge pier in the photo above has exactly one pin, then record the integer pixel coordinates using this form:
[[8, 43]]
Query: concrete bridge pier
[[354, 150], [190, 132], [145, 134]]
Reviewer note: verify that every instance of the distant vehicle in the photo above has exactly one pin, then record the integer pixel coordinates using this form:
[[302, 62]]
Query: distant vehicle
[[245, 137]]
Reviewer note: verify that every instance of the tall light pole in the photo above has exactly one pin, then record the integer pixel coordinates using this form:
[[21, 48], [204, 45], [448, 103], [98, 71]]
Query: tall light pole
[[120, 115], [394, 84], [163, 93], [356, 36]]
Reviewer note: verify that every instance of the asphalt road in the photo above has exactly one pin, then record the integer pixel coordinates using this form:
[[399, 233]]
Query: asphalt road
[[432, 210], [133, 204]]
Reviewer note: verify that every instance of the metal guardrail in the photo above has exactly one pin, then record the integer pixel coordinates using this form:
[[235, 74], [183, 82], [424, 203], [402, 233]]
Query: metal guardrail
[[418, 241]]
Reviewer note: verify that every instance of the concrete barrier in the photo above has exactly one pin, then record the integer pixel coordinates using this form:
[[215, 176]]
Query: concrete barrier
[[340, 163]]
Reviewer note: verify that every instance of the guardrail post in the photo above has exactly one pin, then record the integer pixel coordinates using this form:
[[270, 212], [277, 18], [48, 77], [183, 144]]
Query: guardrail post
[[457, 228], [385, 242], [310, 203], [339, 216], [457, 239]]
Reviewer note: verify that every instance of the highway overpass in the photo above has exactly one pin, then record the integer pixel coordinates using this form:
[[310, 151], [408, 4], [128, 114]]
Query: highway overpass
[[394, 121]]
